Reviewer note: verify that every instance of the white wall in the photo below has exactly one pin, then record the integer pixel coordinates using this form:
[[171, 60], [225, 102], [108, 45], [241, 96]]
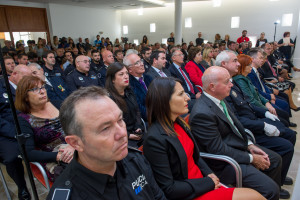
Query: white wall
[[255, 15], [83, 22]]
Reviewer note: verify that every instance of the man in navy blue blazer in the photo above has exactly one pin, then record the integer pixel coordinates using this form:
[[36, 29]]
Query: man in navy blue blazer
[[138, 81]]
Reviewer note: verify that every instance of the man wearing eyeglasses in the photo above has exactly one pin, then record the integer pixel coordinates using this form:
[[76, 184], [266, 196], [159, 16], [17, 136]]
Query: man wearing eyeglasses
[[138, 81], [9, 149], [82, 76]]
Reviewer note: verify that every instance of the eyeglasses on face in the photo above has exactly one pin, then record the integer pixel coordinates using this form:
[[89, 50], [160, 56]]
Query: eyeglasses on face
[[37, 90]]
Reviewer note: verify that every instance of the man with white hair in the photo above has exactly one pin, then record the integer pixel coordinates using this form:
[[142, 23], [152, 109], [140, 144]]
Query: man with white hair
[[138, 81]]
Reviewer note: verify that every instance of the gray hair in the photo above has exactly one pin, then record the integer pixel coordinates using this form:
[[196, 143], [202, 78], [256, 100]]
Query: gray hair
[[35, 65], [126, 60], [223, 56], [67, 114]]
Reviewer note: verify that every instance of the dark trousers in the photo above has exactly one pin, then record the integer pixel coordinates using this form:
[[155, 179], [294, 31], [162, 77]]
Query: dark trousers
[[283, 145], [9, 151], [265, 182]]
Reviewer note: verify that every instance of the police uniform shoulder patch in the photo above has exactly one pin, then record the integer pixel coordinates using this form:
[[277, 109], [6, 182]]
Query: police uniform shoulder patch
[[5, 95], [234, 93]]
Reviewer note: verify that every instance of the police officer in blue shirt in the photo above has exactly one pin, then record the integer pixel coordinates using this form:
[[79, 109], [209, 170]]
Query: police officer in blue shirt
[[82, 76]]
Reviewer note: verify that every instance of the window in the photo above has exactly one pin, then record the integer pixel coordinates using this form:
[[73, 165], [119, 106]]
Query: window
[[217, 3], [235, 22], [152, 28], [164, 40], [287, 19], [188, 22], [136, 41], [125, 29]]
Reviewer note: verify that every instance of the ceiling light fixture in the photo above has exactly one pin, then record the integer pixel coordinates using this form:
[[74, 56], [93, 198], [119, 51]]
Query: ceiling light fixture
[[157, 2]]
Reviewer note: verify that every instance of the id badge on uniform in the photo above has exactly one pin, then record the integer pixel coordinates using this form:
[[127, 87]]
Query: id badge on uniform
[[61, 194]]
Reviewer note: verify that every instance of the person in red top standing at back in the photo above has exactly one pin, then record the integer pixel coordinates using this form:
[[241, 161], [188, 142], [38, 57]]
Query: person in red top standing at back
[[243, 38]]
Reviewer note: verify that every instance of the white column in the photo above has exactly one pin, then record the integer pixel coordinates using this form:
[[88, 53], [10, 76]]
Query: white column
[[296, 59], [178, 22]]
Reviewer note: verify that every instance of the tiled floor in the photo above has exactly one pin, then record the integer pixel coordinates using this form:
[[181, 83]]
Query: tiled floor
[[42, 192]]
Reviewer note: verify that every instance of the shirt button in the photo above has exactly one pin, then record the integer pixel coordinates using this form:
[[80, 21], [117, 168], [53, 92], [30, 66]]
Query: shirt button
[[67, 183]]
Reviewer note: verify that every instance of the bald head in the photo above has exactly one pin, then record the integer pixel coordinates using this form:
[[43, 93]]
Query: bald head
[[108, 57], [18, 73], [216, 82]]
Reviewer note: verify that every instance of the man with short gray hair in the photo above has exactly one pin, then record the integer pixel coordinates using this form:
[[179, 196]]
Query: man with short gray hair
[[104, 167]]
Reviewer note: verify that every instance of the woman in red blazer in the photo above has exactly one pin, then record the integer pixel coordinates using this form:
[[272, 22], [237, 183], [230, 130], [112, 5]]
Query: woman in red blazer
[[194, 68]]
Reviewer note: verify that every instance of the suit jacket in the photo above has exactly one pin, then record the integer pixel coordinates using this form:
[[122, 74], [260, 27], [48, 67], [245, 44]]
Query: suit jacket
[[151, 72], [215, 134], [255, 82], [168, 161], [7, 125], [175, 73], [140, 92]]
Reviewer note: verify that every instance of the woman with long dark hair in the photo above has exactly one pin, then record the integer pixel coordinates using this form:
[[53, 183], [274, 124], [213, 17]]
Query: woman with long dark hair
[[117, 84], [171, 150]]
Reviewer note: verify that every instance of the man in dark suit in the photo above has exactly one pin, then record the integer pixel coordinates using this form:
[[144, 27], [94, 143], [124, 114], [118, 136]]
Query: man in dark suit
[[158, 62], [218, 131], [138, 81], [9, 148], [177, 70]]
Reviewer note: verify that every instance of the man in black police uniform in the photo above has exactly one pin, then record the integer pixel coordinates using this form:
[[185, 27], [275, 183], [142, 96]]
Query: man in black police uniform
[[56, 91], [104, 167], [9, 149], [108, 59], [82, 76]]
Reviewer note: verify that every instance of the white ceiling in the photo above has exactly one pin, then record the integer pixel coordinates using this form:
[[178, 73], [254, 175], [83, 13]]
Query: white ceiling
[[113, 4]]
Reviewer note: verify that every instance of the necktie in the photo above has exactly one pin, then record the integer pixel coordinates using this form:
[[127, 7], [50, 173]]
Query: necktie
[[162, 74], [187, 80], [262, 86], [143, 83], [228, 116], [273, 70]]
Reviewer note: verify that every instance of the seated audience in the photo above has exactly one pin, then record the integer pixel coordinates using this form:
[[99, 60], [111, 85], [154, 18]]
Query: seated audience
[[269, 132], [146, 53], [103, 166], [218, 131], [9, 64], [264, 91], [39, 119], [108, 59], [194, 68], [117, 85], [172, 152]]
